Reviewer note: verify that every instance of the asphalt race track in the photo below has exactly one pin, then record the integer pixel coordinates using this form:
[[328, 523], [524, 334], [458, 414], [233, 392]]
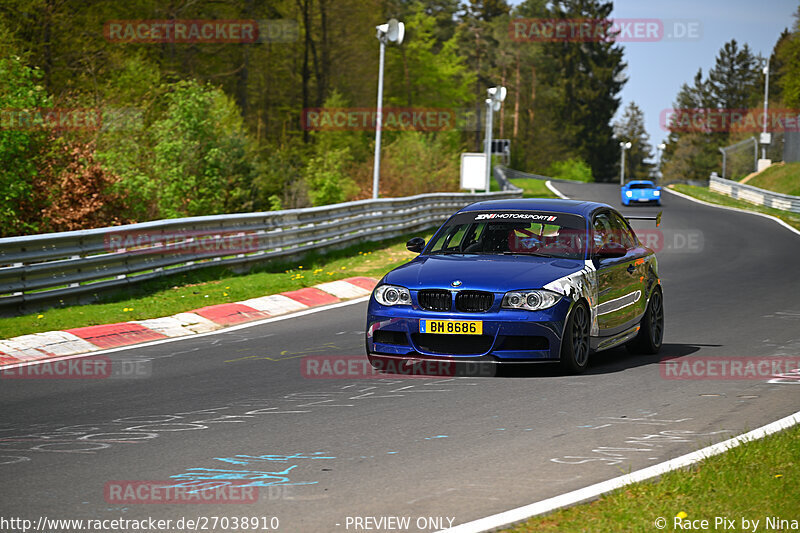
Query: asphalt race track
[[236, 405]]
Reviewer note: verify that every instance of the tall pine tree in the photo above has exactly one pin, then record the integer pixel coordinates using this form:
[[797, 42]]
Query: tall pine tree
[[592, 73], [630, 127]]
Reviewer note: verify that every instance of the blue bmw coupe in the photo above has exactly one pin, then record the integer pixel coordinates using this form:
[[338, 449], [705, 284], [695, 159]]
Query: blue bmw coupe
[[520, 281]]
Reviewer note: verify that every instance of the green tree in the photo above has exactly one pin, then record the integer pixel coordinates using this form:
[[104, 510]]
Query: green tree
[[732, 83], [630, 127], [595, 74], [694, 157], [202, 156], [22, 99], [433, 72], [787, 65], [734, 79]]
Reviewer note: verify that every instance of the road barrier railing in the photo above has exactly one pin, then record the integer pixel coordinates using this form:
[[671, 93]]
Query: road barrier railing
[[38, 269], [754, 195]]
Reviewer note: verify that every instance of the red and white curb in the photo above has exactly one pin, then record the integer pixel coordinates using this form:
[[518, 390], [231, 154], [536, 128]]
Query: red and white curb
[[52, 344]]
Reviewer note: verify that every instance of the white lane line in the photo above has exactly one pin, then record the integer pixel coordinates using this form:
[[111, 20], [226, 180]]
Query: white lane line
[[592, 491], [693, 199], [555, 191], [187, 337]]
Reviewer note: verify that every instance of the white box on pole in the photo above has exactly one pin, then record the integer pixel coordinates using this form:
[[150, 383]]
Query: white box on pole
[[473, 170]]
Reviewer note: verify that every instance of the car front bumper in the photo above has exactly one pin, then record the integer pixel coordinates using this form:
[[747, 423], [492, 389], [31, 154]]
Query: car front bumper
[[509, 335]]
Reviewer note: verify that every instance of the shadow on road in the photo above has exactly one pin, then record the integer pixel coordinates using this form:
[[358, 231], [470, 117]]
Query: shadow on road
[[607, 362]]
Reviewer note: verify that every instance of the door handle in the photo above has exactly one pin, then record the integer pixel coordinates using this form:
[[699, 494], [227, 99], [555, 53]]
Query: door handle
[[631, 268]]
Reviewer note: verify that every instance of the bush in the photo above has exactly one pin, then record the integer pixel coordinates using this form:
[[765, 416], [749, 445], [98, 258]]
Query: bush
[[418, 163], [204, 161], [574, 169], [326, 178], [77, 190], [280, 184]]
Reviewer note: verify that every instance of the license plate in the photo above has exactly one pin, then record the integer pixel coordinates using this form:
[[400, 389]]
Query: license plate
[[460, 327], [643, 200]]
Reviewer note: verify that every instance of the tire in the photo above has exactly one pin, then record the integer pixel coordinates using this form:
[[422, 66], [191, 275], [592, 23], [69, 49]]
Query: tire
[[574, 356], [651, 333]]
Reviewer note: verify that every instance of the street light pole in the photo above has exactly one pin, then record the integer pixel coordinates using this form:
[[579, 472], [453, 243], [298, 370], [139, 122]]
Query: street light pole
[[493, 103], [766, 96], [624, 146], [661, 148], [488, 140], [376, 168], [392, 31]]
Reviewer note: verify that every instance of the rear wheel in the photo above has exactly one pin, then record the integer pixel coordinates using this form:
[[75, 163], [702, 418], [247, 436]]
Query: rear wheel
[[651, 332], [575, 343]]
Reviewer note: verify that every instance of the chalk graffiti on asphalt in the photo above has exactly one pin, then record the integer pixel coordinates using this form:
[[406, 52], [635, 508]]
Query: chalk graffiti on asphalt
[[19, 444]]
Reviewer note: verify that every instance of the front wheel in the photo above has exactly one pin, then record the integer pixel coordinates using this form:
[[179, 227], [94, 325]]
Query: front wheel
[[651, 332], [575, 343]]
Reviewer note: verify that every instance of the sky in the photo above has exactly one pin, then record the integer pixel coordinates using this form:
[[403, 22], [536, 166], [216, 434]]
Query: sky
[[657, 69]]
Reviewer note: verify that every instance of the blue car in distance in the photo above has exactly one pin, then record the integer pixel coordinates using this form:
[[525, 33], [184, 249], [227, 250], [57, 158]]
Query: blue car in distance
[[519, 281], [640, 192]]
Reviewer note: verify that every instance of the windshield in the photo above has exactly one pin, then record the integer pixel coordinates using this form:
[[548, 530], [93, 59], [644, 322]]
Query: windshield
[[641, 186], [532, 233]]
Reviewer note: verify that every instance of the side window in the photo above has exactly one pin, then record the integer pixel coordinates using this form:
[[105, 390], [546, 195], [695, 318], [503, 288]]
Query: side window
[[602, 231], [621, 231]]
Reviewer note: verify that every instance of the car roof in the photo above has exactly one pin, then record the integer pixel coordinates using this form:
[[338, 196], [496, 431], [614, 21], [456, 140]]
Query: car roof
[[648, 182], [575, 207]]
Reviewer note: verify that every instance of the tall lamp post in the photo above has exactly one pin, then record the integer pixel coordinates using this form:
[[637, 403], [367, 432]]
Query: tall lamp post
[[661, 148], [624, 146], [393, 32], [495, 100], [764, 136]]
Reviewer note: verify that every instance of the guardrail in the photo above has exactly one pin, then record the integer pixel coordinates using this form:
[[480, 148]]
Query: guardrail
[[511, 173], [754, 195], [502, 179], [40, 268]]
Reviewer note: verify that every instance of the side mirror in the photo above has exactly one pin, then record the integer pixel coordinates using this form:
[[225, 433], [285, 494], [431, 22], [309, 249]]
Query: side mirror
[[416, 245], [612, 249]]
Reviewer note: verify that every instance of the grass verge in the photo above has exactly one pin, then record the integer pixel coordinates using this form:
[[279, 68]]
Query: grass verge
[[782, 178], [191, 290], [531, 188], [702, 193], [754, 481]]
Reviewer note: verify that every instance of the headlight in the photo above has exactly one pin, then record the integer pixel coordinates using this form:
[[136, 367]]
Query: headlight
[[392, 295], [530, 300], [628, 194], [656, 193]]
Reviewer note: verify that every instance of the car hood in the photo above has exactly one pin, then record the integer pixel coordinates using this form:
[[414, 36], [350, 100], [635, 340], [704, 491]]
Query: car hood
[[490, 273]]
